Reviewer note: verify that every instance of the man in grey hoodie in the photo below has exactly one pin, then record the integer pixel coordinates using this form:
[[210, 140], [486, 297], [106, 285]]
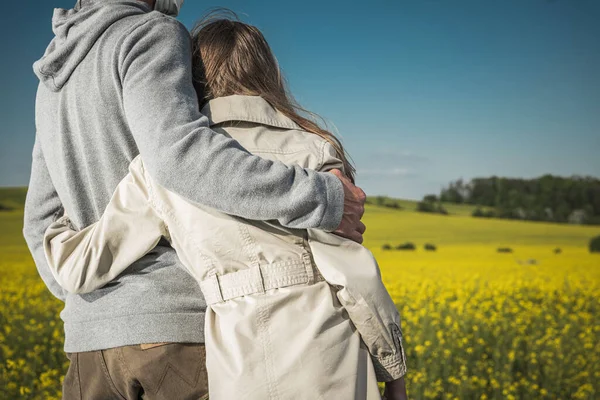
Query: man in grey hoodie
[[116, 82]]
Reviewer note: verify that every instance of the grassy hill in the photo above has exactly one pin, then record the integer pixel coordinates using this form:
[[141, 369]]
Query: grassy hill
[[386, 225], [398, 221], [411, 205], [11, 238], [13, 198], [394, 226]]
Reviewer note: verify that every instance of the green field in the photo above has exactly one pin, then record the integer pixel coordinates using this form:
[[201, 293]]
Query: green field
[[478, 324], [13, 197], [394, 226]]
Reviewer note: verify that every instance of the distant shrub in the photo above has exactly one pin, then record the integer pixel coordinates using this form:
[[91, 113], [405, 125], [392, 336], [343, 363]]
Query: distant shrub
[[386, 247], [530, 261], [4, 207], [506, 213], [430, 207], [505, 250], [406, 246], [384, 201], [595, 245], [430, 247], [481, 213], [430, 198], [478, 213], [557, 250], [424, 206]]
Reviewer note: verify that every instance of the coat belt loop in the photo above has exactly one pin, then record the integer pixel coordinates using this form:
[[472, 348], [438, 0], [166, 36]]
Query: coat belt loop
[[216, 288], [259, 278], [308, 266]]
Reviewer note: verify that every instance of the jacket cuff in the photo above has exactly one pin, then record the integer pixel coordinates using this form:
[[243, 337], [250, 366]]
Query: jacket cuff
[[392, 366], [389, 368], [332, 217]]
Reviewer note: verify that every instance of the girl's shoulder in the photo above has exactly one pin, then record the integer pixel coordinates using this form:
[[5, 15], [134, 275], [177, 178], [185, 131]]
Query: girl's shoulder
[[291, 146]]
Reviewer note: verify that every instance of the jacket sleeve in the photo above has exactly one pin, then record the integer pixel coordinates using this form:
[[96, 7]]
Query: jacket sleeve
[[42, 207], [352, 268], [83, 261], [185, 156]]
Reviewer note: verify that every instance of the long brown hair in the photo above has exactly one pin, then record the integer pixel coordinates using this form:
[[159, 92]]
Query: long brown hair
[[232, 57]]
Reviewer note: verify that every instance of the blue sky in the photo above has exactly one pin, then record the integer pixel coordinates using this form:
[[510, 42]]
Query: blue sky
[[422, 92]]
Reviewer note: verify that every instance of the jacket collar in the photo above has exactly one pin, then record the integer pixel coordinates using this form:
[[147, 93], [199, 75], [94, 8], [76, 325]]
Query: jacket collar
[[246, 108]]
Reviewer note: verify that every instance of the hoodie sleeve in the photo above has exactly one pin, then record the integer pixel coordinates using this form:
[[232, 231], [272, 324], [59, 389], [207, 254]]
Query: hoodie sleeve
[[42, 208], [185, 156]]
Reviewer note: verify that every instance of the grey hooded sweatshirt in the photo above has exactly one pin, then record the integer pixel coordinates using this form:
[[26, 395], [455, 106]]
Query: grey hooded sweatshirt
[[116, 82]]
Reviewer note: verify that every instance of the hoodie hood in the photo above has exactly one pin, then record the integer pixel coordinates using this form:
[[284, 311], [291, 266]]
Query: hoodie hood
[[75, 33]]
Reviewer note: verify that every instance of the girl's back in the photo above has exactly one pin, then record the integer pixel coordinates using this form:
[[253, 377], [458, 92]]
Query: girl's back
[[230, 243], [274, 328]]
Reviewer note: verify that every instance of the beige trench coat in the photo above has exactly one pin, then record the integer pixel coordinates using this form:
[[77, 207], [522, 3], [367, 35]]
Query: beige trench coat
[[292, 314]]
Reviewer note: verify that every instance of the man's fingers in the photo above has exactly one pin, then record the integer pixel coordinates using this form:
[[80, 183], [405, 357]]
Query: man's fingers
[[357, 237], [338, 173], [361, 227], [361, 211], [354, 209], [354, 235], [362, 196]]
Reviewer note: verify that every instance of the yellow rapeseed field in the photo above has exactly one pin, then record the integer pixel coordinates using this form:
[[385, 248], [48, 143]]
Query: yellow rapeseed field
[[478, 324], [32, 362]]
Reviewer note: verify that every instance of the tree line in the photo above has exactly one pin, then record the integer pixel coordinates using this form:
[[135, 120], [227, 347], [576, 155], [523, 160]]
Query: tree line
[[547, 198]]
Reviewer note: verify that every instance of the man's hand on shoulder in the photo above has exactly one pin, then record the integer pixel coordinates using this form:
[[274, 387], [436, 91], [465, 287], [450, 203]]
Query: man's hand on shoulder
[[354, 207]]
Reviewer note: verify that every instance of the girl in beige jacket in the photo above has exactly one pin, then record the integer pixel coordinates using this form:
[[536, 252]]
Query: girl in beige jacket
[[292, 314]]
